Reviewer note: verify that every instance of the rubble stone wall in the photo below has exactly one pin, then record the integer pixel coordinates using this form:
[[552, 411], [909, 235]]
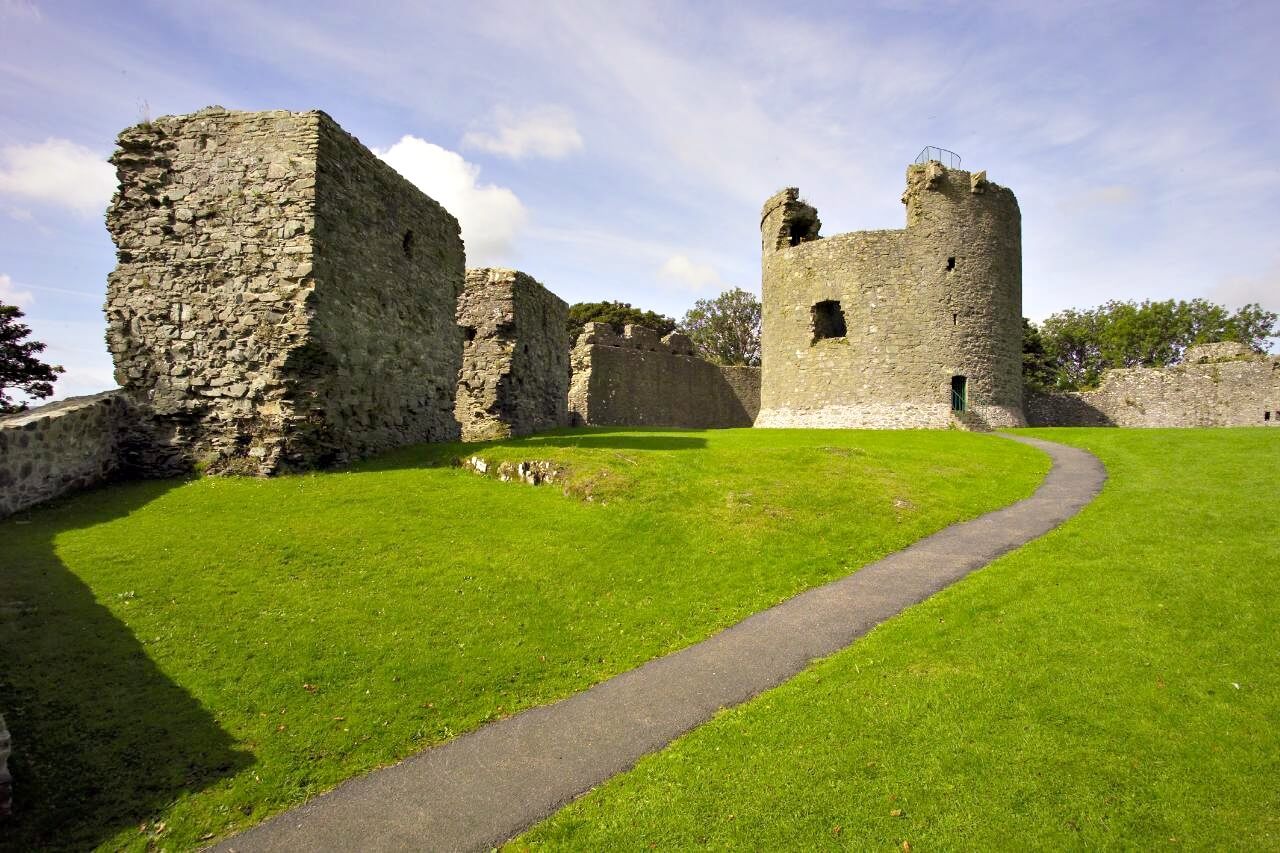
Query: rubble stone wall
[[1238, 392], [867, 329], [283, 299], [515, 359], [639, 379], [60, 448]]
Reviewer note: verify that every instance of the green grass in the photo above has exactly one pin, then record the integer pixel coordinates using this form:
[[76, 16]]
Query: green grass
[[181, 659], [1115, 684]]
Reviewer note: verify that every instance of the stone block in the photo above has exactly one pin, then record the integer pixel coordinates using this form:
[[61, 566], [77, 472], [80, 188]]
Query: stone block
[[515, 365], [300, 290]]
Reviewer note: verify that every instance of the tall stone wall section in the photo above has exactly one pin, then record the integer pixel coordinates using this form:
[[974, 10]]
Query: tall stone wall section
[[1207, 390], [918, 306], [639, 379], [283, 298], [63, 447], [515, 358]]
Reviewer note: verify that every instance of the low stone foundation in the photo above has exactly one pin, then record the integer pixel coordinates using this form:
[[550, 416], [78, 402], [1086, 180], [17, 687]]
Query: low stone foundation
[[639, 379], [893, 416], [1218, 385], [61, 448]]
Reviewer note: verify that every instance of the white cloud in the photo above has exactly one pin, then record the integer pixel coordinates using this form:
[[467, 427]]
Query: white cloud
[[11, 295], [1117, 195], [540, 132], [19, 10], [685, 274], [79, 347], [58, 172], [490, 216], [1237, 291]]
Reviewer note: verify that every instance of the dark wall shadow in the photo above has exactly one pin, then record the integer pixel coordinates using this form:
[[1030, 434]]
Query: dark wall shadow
[[1055, 408], [619, 438], [102, 739], [648, 438]]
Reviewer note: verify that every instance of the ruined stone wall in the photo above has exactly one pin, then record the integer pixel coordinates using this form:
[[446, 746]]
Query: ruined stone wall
[[61, 447], [283, 299], [867, 329], [515, 359], [744, 383], [1215, 394], [639, 379]]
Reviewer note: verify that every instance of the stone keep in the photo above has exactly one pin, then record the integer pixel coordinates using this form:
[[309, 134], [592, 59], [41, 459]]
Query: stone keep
[[919, 327], [283, 298], [515, 359]]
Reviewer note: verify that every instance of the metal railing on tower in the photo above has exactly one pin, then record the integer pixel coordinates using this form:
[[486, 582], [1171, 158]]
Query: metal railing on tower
[[950, 159]]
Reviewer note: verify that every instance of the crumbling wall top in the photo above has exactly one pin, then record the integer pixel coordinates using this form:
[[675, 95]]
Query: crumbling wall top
[[1221, 351]]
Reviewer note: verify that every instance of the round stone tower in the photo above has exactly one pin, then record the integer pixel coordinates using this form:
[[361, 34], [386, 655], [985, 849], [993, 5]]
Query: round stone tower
[[920, 327]]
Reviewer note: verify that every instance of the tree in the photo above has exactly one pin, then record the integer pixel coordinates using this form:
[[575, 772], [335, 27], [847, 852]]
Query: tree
[[1037, 368], [19, 367], [1080, 345], [617, 315], [725, 330]]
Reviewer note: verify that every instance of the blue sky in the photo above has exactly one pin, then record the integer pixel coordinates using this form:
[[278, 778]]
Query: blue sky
[[622, 150]]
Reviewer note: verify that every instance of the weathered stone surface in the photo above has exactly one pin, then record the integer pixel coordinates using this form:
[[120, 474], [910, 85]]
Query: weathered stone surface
[[515, 361], [6, 780], [867, 329], [534, 472], [62, 447], [1221, 351], [1242, 390], [641, 380], [283, 299]]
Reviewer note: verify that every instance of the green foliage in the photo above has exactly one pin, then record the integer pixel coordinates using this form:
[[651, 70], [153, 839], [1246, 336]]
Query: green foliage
[[19, 367], [179, 659], [618, 315], [1079, 345], [1111, 685], [726, 330], [1037, 367]]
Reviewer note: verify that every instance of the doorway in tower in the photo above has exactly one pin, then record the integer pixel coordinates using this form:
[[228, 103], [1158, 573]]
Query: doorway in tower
[[959, 394]]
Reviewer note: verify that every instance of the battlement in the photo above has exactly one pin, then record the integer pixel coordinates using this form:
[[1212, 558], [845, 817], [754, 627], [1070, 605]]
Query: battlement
[[637, 338]]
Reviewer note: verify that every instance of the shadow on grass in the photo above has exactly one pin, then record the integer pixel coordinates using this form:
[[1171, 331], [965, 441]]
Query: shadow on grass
[[603, 438], [629, 439], [102, 739]]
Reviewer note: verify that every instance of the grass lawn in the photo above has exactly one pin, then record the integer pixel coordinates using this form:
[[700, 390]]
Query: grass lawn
[[180, 659], [1115, 684]]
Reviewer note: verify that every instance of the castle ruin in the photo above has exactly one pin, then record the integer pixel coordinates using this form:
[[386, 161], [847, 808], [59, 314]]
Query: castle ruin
[[515, 357], [920, 327], [640, 379], [284, 299]]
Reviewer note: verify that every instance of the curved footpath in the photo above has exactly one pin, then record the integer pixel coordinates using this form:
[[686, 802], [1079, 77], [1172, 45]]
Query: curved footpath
[[484, 787]]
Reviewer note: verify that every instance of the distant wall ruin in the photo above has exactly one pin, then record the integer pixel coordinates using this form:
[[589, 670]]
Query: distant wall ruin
[[515, 358], [639, 379], [283, 299], [1217, 385], [61, 448]]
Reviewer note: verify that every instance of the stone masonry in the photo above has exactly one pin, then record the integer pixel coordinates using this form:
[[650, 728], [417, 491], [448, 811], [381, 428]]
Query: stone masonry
[[515, 358], [63, 447], [283, 298], [876, 328], [639, 379], [1222, 384]]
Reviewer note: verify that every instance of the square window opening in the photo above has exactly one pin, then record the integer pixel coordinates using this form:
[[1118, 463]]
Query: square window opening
[[828, 320]]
